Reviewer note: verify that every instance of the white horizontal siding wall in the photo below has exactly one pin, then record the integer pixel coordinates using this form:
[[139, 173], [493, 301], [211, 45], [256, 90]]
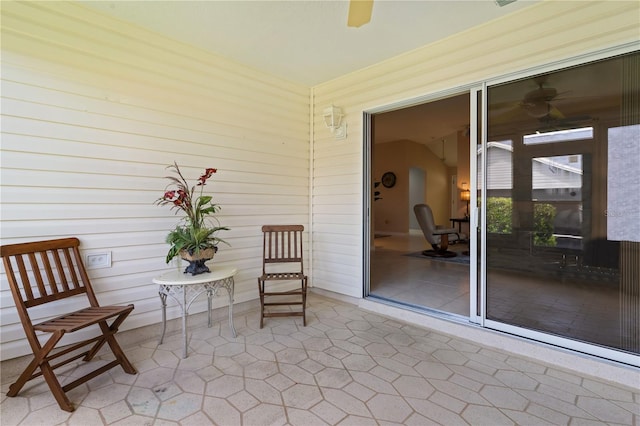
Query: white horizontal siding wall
[[93, 110], [541, 34]]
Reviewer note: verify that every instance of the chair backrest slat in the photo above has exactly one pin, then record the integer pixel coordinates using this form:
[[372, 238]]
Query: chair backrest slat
[[22, 269], [52, 273], [282, 244], [33, 266], [72, 272], [47, 268]]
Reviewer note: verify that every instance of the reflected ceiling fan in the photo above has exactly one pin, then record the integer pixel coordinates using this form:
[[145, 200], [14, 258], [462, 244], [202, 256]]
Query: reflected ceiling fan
[[537, 103], [359, 12]]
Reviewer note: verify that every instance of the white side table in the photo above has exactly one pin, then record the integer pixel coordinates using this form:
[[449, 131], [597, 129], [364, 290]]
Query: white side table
[[185, 288]]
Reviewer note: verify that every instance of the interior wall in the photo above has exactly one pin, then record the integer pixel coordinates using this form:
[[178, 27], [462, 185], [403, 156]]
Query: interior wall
[[399, 157], [417, 193], [463, 59], [93, 110]]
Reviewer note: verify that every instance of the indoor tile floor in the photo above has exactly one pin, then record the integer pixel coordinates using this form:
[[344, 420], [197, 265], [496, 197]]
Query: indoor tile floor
[[347, 367], [581, 310], [418, 280]]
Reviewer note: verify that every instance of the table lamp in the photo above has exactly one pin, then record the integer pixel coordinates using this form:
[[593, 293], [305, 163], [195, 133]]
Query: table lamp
[[465, 195]]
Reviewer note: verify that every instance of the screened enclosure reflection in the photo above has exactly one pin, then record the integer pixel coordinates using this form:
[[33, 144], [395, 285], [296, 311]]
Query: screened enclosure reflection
[[563, 204]]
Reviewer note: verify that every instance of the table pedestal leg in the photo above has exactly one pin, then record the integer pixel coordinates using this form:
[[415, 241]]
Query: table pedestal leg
[[184, 321], [209, 296], [230, 290], [163, 302]]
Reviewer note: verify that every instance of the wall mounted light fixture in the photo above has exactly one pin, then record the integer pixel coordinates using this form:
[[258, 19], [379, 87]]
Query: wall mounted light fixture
[[465, 195], [334, 120]]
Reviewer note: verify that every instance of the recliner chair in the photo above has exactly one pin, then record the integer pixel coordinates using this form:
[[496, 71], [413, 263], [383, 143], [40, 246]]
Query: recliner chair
[[437, 237]]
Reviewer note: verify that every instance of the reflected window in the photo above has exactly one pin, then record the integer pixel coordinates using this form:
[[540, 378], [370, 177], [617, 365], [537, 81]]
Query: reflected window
[[559, 136], [499, 186], [556, 192]]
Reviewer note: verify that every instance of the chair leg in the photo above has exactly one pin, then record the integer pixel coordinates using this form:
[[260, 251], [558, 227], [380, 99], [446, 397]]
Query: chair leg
[[108, 333], [304, 301], [120, 356], [24, 377], [56, 389], [39, 361], [261, 291], [40, 353]]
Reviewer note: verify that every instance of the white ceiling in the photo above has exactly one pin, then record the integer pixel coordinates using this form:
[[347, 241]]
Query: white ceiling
[[308, 42], [305, 41]]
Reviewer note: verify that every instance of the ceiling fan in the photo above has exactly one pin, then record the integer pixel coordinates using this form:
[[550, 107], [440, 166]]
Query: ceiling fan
[[359, 12], [537, 103]]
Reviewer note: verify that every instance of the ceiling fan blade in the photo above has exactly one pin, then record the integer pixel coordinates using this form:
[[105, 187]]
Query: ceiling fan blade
[[515, 114], [555, 113], [359, 12]]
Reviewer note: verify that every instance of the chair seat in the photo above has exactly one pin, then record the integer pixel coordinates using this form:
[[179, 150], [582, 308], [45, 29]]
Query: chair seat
[[282, 276], [436, 236], [77, 320]]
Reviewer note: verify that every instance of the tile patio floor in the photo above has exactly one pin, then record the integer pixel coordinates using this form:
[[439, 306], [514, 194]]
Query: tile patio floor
[[347, 367]]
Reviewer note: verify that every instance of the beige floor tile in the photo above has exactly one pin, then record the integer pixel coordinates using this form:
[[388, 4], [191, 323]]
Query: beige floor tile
[[389, 407], [265, 414], [115, 412], [180, 406], [413, 387], [605, 410], [263, 391], [333, 378], [358, 421], [345, 402], [328, 412], [303, 418], [143, 402], [525, 419], [347, 367], [221, 411], [436, 413], [448, 402], [243, 401], [483, 415], [302, 396]]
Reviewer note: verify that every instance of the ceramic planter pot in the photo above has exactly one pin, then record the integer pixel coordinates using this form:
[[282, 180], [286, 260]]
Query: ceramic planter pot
[[197, 260]]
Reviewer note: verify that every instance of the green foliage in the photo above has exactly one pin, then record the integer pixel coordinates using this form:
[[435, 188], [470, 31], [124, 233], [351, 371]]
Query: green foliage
[[543, 218], [499, 220], [499, 212], [192, 239]]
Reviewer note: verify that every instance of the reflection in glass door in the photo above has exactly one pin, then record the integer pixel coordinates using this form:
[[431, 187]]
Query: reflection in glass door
[[560, 259]]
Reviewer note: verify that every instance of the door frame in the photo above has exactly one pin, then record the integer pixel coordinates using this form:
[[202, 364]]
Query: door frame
[[368, 117]]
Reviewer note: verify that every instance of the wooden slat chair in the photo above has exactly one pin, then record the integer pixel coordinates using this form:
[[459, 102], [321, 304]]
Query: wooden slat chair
[[282, 261], [45, 272]]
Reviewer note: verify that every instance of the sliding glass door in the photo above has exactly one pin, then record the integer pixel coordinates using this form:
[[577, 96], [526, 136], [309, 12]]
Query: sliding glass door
[[563, 206], [553, 239]]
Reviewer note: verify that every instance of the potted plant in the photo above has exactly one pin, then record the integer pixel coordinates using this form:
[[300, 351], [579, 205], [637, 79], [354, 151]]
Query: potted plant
[[194, 238]]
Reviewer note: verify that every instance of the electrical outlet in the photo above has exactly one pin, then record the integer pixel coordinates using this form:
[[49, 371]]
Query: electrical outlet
[[98, 260]]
